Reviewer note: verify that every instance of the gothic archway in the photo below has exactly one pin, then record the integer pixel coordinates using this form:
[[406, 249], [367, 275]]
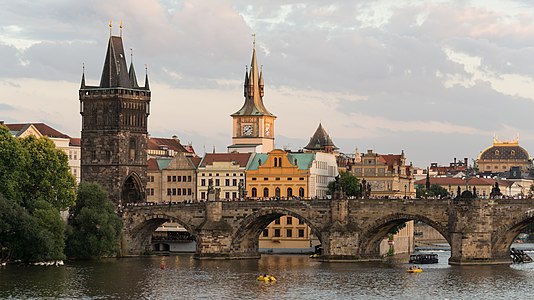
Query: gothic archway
[[132, 190]]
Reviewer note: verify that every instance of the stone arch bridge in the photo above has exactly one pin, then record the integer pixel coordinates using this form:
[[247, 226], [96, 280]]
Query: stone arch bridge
[[479, 231]]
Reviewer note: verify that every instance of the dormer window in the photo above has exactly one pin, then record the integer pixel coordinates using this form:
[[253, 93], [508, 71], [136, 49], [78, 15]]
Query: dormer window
[[496, 152]]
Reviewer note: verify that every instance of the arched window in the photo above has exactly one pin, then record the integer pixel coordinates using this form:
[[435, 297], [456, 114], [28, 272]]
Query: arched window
[[289, 192], [277, 192], [265, 192], [301, 192], [254, 192], [276, 162]]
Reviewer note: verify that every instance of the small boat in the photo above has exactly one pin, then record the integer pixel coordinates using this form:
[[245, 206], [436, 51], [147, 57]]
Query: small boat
[[423, 259], [414, 270], [267, 278]]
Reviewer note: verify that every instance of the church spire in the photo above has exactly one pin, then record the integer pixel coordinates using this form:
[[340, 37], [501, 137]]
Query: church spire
[[115, 71], [253, 89], [245, 85]]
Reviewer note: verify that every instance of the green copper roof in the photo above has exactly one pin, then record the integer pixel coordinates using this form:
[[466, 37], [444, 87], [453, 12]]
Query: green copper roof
[[163, 163], [304, 160]]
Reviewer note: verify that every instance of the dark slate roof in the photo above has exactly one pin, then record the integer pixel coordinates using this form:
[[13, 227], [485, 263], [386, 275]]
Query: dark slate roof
[[514, 152], [115, 71], [320, 140]]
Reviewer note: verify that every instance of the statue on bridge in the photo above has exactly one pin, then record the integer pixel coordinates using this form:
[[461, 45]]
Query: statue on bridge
[[495, 191], [365, 189]]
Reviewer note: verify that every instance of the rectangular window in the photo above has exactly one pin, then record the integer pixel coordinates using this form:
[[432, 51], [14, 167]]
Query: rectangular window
[[188, 178], [265, 178], [227, 195], [234, 195], [169, 192], [174, 192], [301, 233], [227, 181], [265, 232], [277, 221], [189, 192], [301, 222], [277, 178], [301, 178], [179, 179], [173, 178], [234, 182], [289, 233], [169, 178], [203, 195], [184, 190], [203, 182], [217, 182], [179, 192], [184, 178], [289, 178], [277, 233], [289, 220], [253, 178]]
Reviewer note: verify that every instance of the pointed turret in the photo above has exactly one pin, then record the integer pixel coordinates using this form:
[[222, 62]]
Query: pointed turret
[[132, 76], [245, 85], [82, 85], [115, 71], [147, 87], [320, 141], [261, 82]]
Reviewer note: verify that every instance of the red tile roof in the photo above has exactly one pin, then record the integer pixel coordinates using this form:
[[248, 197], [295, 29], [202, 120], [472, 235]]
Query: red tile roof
[[152, 165], [239, 158], [455, 181], [171, 144], [195, 160], [75, 142], [43, 129]]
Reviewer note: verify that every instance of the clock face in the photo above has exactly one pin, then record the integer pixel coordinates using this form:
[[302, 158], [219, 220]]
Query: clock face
[[247, 130], [267, 129]]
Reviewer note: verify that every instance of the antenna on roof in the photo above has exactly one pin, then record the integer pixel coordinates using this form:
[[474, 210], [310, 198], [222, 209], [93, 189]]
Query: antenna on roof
[[110, 26], [121, 28]]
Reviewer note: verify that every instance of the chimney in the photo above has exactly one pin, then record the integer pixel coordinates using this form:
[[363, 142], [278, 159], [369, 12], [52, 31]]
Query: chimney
[[455, 162], [465, 163]]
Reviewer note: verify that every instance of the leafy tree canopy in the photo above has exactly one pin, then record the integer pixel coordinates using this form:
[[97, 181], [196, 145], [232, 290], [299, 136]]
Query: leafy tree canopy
[[348, 182], [95, 228], [436, 190]]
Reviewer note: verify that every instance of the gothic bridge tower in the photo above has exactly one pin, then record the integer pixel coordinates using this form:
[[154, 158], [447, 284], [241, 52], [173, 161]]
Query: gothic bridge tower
[[114, 128], [253, 124]]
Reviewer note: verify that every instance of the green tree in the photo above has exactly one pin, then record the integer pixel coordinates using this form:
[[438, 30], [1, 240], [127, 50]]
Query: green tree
[[36, 184], [95, 228], [436, 190], [349, 183], [47, 174]]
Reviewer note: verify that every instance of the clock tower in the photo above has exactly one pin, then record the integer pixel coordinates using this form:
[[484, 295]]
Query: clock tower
[[253, 124]]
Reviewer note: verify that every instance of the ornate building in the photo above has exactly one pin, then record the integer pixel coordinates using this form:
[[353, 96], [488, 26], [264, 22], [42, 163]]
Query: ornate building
[[172, 179], [114, 128], [387, 175], [253, 124], [502, 156]]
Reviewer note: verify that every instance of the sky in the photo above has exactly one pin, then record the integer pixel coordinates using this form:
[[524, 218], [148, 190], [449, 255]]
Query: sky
[[435, 79]]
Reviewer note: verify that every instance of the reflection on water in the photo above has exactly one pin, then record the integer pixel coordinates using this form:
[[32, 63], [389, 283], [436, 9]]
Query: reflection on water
[[299, 277]]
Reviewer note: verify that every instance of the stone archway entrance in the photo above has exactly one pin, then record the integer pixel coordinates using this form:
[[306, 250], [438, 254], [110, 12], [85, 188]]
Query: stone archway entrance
[[132, 191]]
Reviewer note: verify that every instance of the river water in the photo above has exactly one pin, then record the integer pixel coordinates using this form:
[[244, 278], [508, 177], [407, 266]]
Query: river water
[[299, 277]]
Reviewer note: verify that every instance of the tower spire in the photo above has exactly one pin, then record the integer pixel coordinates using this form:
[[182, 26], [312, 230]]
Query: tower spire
[[131, 72], [110, 26], [120, 29], [147, 87], [82, 85], [245, 89]]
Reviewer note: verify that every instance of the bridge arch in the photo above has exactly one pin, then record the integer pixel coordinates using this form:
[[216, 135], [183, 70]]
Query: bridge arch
[[246, 237], [373, 234], [507, 232], [142, 230]]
